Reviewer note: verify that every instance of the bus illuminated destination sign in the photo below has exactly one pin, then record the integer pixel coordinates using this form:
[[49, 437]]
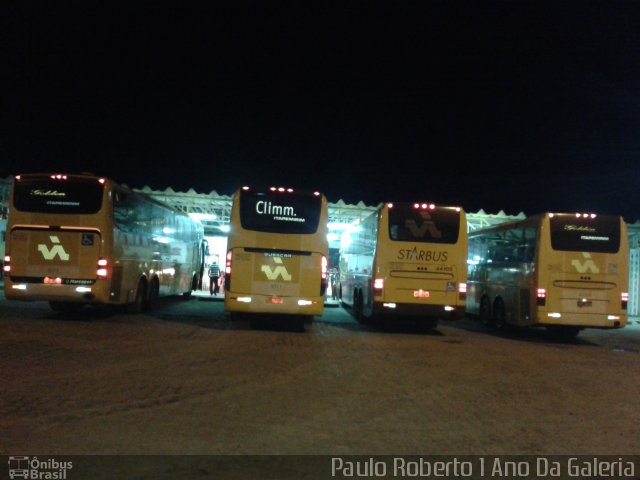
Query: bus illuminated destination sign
[[279, 212], [47, 193]]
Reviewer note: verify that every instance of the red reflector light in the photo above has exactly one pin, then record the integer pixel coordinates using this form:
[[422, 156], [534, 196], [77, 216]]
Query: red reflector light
[[421, 294], [227, 269], [102, 268], [52, 281], [275, 300]]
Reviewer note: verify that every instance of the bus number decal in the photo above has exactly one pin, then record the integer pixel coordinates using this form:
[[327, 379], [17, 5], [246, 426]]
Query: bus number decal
[[57, 249], [273, 274], [423, 255], [586, 266]]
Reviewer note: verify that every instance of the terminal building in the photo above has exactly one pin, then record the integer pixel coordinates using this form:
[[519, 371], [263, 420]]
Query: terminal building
[[213, 211]]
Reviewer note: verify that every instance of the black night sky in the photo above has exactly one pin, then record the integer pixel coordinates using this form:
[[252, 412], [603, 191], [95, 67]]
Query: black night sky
[[513, 105]]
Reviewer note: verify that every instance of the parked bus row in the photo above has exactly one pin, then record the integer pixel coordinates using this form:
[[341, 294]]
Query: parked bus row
[[76, 239]]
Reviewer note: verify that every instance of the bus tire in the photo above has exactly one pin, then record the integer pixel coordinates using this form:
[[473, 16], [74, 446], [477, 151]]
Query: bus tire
[[485, 312], [194, 286], [65, 307], [499, 315], [358, 306], [154, 293], [139, 301]]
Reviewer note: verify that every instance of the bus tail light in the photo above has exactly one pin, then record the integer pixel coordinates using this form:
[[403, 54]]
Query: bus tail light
[[462, 291], [323, 283], [227, 272], [6, 268], [378, 285], [624, 297], [102, 268], [541, 295]]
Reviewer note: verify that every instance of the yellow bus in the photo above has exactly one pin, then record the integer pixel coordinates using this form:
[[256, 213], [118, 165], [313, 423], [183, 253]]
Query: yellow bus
[[562, 271], [406, 260], [81, 239], [277, 253]]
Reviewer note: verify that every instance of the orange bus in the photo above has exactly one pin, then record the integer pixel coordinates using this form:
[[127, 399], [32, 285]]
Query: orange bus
[[406, 259], [82, 239], [277, 253], [562, 271]]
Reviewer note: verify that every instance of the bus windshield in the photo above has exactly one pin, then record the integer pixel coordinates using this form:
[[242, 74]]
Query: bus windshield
[[277, 213], [409, 224], [583, 234], [44, 194]]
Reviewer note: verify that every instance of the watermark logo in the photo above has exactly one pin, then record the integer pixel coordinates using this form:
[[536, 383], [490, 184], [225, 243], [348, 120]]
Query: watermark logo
[[34, 468], [56, 249], [427, 225], [587, 266], [280, 270]]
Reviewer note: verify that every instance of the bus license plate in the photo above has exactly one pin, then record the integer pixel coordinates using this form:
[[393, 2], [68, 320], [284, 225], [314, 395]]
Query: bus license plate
[[420, 294], [275, 300]]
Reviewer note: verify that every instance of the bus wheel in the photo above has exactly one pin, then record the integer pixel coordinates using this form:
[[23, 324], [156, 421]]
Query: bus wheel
[[154, 293], [139, 302], [485, 312], [65, 307], [194, 286], [499, 315], [358, 306]]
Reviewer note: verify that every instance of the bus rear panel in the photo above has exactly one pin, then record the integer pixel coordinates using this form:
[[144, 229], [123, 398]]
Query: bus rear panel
[[585, 280], [420, 261], [51, 255], [277, 257]]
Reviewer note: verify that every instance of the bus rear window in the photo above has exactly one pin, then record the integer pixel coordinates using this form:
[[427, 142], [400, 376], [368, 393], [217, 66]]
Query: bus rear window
[[280, 213], [73, 195], [578, 234], [409, 224]]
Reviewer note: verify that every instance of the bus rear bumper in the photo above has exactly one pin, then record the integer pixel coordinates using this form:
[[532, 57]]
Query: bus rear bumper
[[234, 302], [582, 320], [446, 312], [57, 293]]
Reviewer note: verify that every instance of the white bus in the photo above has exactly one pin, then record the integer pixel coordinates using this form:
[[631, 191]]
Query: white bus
[[81, 239], [406, 259], [562, 271]]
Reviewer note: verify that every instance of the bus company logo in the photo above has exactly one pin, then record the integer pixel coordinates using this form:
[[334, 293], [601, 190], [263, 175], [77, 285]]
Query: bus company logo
[[278, 212], [427, 226], [587, 266], [579, 228], [33, 468], [47, 193], [56, 249], [279, 270]]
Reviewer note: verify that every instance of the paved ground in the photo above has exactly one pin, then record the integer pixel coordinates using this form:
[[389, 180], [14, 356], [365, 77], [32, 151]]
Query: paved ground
[[184, 379]]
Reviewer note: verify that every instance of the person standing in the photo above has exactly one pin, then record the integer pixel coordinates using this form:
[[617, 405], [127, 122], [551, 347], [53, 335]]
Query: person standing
[[214, 275]]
